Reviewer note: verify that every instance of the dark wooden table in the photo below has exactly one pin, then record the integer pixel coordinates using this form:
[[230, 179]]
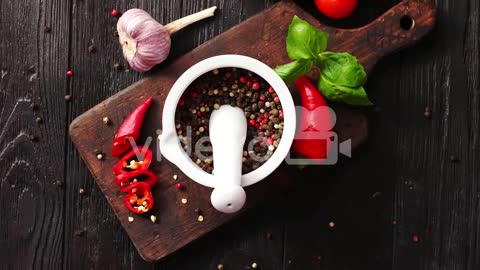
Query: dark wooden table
[[414, 177]]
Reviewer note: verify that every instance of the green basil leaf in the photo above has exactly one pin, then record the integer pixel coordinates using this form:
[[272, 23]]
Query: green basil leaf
[[340, 93], [292, 71], [341, 69], [305, 41]]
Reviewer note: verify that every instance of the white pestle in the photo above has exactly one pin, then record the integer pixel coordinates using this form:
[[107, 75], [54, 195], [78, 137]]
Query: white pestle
[[228, 131]]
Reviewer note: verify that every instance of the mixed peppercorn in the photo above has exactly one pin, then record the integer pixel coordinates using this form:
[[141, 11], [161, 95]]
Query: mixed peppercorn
[[238, 88]]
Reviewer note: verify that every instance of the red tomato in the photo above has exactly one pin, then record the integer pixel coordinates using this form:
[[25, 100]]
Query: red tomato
[[336, 9]]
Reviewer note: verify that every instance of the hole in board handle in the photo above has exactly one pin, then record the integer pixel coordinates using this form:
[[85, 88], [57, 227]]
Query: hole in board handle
[[407, 23]]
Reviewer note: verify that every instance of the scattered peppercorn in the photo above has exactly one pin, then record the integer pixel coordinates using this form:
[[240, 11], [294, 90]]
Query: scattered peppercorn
[[427, 113], [153, 218], [115, 13], [117, 66], [47, 29], [100, 156], [39, 120], [220, 267], [127, 71], [184, 200], [67, 98], [106, 120], [331, 224], [69, 73], [175, 177], [115, 33], [81, 191], [130, 219], [179, 186], [200, 218], [415, 238], [254, 265]]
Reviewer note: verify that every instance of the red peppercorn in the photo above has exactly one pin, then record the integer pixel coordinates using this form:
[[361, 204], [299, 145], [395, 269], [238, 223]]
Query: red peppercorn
[[256, 86], [228, 75], [179, 186], [415, 238], [262, 97], [194, 94], [270, 90], [115, 13], [276, 99], [280, 113], [266, 115], [249, 83], [199, 113], [243, 79], [257, 125], [273, 136], [70, 73], [181, 102], [252, 122], [262, 143], [270, 141], [265, 134]]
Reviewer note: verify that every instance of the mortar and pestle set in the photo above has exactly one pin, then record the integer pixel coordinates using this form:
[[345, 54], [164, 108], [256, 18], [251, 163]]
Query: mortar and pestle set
[[227, 131]]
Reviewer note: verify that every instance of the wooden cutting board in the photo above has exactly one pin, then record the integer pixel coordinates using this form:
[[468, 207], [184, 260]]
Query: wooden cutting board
[[262, 37]]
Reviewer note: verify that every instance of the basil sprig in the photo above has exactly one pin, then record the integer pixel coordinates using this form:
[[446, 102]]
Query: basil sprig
[[341, 75]]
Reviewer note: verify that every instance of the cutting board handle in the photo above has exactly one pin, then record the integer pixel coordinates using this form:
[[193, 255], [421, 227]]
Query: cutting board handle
[[400, 27]]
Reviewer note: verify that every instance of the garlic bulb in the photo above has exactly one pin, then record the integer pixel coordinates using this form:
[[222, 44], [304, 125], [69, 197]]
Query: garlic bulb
[[145, 42]]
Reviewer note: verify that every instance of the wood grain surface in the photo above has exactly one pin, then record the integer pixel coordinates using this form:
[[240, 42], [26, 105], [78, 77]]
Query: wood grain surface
[[400, 183], [262, 37]]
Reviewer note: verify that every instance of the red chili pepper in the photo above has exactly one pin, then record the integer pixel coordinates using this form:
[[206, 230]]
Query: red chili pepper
[[139, 198], [130, 128], [311, 121], [125, 180], [133, 161]]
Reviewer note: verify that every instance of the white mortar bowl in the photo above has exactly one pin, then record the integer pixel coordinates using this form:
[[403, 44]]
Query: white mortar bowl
[[170, 146]]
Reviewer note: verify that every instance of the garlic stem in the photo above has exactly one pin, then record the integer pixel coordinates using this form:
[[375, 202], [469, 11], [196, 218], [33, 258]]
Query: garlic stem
[[185, 21]]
